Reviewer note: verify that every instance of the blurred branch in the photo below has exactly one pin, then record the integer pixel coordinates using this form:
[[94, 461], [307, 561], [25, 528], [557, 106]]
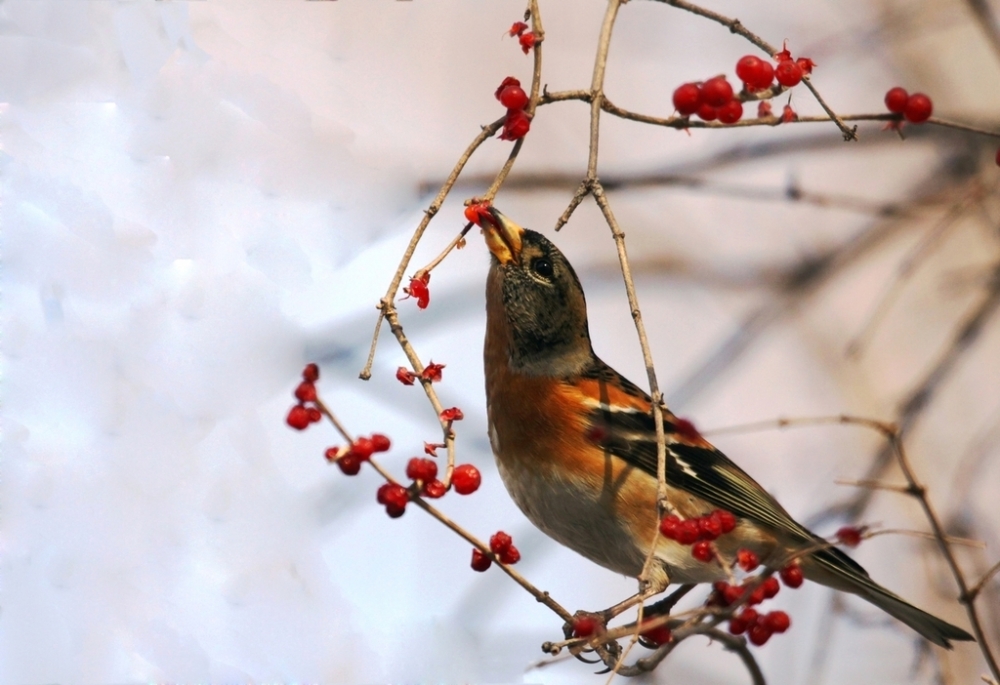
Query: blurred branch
[[987, 22]]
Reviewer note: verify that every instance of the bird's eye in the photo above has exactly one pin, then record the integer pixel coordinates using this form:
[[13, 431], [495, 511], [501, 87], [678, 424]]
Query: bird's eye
[[542, 266]]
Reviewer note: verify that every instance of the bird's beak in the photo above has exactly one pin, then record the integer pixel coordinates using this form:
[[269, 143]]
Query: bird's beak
[[503, 237]]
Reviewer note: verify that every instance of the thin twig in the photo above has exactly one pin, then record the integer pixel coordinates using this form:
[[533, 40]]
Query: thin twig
[[978, 587]]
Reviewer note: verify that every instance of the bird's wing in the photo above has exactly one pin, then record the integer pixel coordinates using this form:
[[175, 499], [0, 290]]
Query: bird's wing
[[693, 464]]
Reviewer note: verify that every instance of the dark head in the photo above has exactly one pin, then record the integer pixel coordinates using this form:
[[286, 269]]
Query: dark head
[[535, 298]]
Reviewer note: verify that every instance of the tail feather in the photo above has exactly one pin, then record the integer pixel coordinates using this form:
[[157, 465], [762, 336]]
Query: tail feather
[[829, 568]]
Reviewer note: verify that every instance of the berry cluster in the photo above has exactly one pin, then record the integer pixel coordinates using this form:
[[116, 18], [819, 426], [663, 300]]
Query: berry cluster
[[300, 416], [431, 372], [502, 545], [916, 108], [759, 627], [350, 458], [419, 291], [512, 96], [714, 99], [526, 38], [703, 529]]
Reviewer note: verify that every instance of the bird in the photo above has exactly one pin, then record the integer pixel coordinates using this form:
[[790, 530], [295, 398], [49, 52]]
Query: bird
[[575, 444]]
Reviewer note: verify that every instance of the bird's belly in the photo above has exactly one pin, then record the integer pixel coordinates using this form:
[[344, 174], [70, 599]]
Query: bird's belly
[[573, 513]]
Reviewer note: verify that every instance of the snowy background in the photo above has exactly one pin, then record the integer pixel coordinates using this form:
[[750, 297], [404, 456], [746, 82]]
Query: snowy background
[[200, 197]]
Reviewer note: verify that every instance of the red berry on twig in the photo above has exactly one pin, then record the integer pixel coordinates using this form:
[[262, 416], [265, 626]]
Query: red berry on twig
[[310, 373], [350, 464], [476, 211], [513, 97], [527, 41], [759, 634], [434, 489], [509, 81], [418, 290], [755, 72], [669, 526], [806, 65], [788, 73], [731, 112], [380, 443], [405, 376], [709, 527], [298, 417], [453, 414], [363, 448], [305, 392], [421, 469], [716, 91], [516, 125], [791, 575], [771, 587], [314, 414], [702, 551], [918, 108], [777, 621], [500, 541], [687, 99], [394, 497], [585, 626], [788, 114], [764, 109], [747, 560], [466, 479], [727, 519], [850, 536], [517, 28], [480, 562], [707, 113], [432, 372], [895, 100], [510, 555], [687, 532]]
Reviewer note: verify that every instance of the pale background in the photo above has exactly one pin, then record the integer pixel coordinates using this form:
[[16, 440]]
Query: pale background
[[200, 197]]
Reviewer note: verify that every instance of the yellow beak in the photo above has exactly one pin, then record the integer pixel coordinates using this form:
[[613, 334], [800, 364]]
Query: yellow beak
[[503, 237]]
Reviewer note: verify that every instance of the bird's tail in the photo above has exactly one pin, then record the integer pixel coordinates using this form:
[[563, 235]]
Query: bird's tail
[[834, 568]]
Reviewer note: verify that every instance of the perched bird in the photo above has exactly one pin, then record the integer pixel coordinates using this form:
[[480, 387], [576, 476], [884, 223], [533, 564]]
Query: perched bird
[[575, 444]]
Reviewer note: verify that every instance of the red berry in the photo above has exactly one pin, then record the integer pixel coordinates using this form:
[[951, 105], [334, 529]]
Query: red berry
[[728, 520], [777, 621], [788, 114], [517, 28], [748, 69], [709, 528], [499, 542], [757, 596], [480, 562], [771, 587], [509, 81], [747, 560], [405, 376], [733, 594], [298, 417], [895, 100], [731, 112], [466, 479], [702, 551], [850, 536], [805, 64], [784, 55], [310, 373], [380, 443], [737, 626], [363, 448], [687, 532], [716, 91], [418, 290], [453, 414], [687, 99], [381, 493], [432, 372], [684, 427], [660, 635], [764, 109], [510, 555], [791, 576], [707, 113], [585, 626], [477, 211], [918, 108], [749, 616], [331, 453], [395, 498], [513, 97], [314, 414], [669, 526], [421, 469], [306, 392], [527, 41], [349, 464], [759, 634], [788, 73], [434, 489], [516, 125]]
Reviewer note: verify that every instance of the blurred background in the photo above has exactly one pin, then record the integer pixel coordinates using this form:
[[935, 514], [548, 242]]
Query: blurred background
[[199, 197]]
